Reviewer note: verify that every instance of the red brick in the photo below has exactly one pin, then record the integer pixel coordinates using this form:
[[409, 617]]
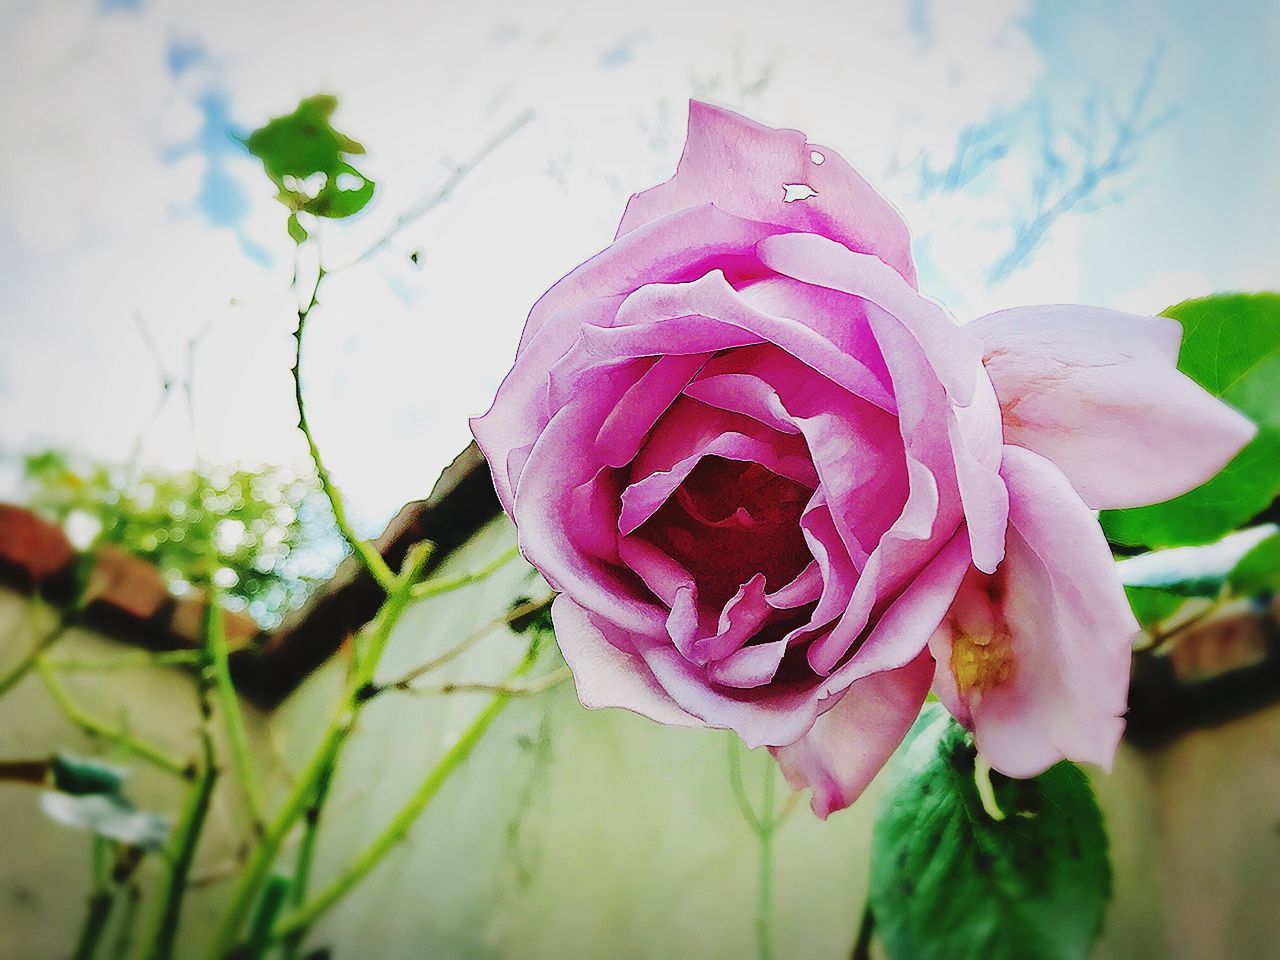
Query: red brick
[[37, 548], [129, 585]]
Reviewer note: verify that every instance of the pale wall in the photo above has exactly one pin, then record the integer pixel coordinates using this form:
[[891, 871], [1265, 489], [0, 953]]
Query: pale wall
[[573, 834]]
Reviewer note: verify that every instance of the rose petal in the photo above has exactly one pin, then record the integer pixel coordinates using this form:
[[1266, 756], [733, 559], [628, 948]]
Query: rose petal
[[1036, 658], [744, 167], [954, 353], [519, 411], [549, 530], [849, 744], [904, 629], [643, 498], [932, 511], [678, 248], [1097, 393], [712, 296], [606, 675]]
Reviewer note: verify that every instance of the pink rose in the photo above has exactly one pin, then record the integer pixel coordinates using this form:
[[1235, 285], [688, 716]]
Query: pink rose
[[774, 484]]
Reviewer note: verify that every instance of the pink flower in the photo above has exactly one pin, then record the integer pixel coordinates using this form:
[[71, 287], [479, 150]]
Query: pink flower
[[773, 483]]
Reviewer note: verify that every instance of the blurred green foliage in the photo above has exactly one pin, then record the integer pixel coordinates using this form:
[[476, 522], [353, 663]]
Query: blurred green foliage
[[269, 534]]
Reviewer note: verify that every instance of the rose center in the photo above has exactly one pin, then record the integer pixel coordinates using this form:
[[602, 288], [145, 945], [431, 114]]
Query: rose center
[[729, 521]]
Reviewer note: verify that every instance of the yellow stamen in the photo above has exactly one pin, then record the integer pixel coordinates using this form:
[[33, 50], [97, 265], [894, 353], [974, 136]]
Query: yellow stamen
[[980, 663]]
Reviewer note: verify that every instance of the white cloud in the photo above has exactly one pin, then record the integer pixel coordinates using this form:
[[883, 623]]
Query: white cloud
[[106, 226]]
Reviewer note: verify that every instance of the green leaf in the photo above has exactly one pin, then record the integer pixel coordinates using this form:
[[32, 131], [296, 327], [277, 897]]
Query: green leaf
[[83, 776], [344, 193], [1150, 605], [1192, 571], [1258, 570], [107, 815], [1231, 347], [948, 881], [307, 160]]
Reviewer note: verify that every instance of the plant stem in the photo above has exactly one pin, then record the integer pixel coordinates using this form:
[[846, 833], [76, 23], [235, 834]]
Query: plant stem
[[124, 930], [530, 689], [396, 830], [405, 681], [229, 707], [735, 782], [764, 906], [129, 660], [24, 666], [97, 728], [95, 923], [186, 837], [101, 900], [306, 856], [273, 897], [439, 585], [323, 759], [763, 826], [866, 929], [370, 557]]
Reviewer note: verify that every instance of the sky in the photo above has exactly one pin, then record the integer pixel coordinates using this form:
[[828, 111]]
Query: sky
[[134, 225]]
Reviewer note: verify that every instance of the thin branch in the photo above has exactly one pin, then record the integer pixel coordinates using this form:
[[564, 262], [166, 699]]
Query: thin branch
[[98, 728], [370, 557], [229, 707], [101, 900], [306, 858], [186, 836], [439, 585], [405, 682], [397, 829], [322, 761], [29, 660], [1130, 130], [128, 660], [446, 190], [532, 688], [739, 789]]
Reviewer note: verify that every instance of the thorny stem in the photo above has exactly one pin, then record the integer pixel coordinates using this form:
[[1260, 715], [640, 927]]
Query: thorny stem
[[370, 557], [124, 928], [306, 855], [186, 837], [229, 707], [396, 830], [306, 789], [322, 760], [98, 728], [273, 898]]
